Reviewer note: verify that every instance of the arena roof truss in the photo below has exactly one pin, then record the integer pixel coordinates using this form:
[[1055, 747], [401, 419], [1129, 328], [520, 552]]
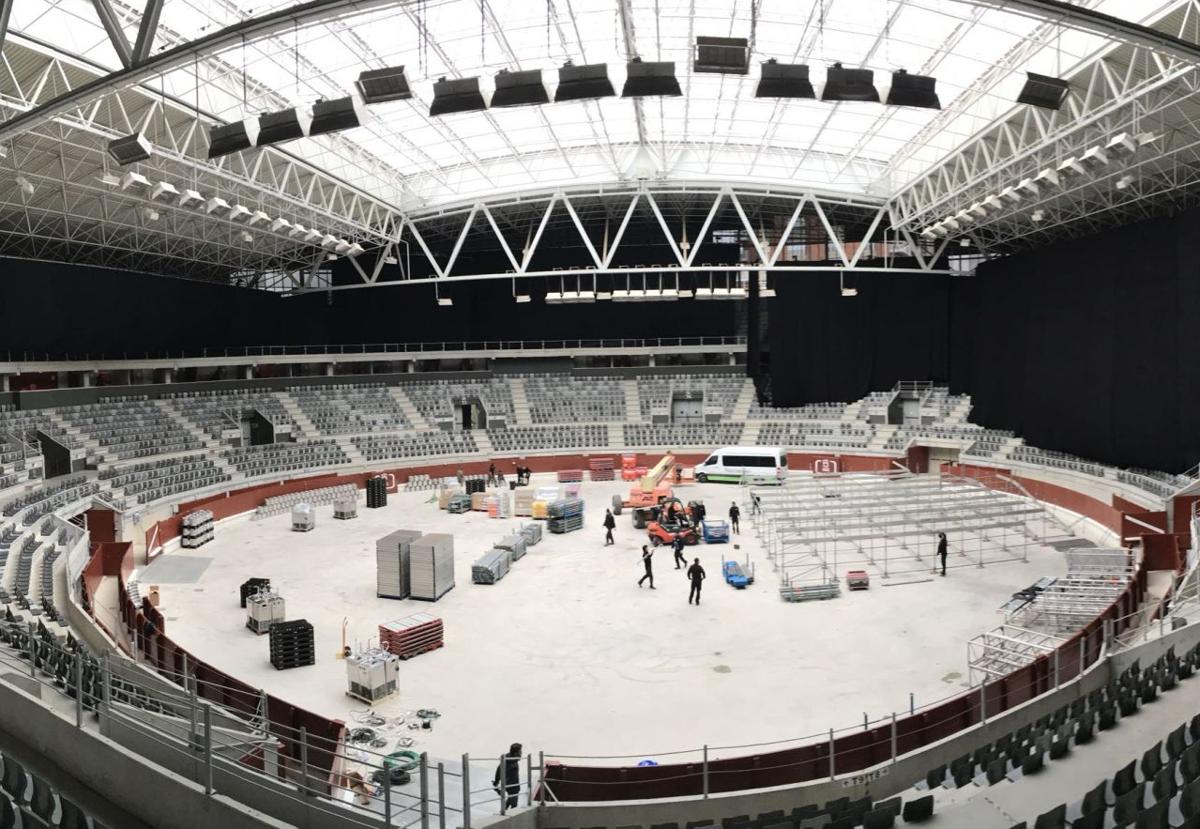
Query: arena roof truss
[[76, 73]]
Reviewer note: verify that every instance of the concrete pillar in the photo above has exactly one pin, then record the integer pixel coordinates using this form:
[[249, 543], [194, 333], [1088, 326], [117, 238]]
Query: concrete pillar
[[248, 373], [412, 367], [733, 359], [64, 379], [5, 385], [329, 369], [651, 361], [168, 375]]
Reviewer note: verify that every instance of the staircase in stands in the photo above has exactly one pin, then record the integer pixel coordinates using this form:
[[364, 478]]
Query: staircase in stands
[[297, 415], [521, 414], [633, 405], [411, 413]]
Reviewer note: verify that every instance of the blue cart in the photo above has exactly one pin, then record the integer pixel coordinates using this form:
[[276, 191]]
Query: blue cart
[[714, 532], [735, 576]]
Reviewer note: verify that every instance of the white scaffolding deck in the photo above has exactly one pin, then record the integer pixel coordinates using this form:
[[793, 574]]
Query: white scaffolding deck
[[1001, 651], [1095, 578]]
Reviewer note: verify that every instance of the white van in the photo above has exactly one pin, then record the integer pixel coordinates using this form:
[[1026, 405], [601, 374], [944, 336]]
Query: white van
[[744, 464]]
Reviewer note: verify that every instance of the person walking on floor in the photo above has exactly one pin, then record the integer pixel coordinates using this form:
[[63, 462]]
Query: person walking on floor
[[507, 780], [734, 515], [491, 474], [755, 504], [941, 551], [461, 478], [696, 576], [647, 558], [677, 544], [610, 524]]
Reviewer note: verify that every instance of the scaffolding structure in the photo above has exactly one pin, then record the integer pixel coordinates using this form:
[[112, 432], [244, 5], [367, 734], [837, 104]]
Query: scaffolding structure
[[1095, 578], [999, 652], [815, 526]]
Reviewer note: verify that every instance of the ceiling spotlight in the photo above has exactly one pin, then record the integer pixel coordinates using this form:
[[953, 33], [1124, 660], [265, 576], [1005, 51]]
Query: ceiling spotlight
[[296, 231], [135, 181], [849, 292], [341, 247], [239, 212], [458, 95], [1123, 144], [258, 217], [216, 205], [992, 202], [950, 223], [977, 210], [577, 83], [1011, 194], [521, 297], [1047, 176], [280, 226], [1029, 186], [445, 300], [354, 250], [150, 214], [964, 216], [913, 91], [163, 190], [928, 233], [130, 149], [109, 180], [1037, 215], [246, 236], [1043, 91], [379, 86], [1094, 157], [336, 115], [1071, 167], [312, 235], [784, 80], [329, 241], [1124, 181], [26, 185], [645, 79], [843, 84], [190, 198], [520, 88], [725, 55]]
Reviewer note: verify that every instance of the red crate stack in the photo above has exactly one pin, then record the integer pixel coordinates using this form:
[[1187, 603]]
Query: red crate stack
[[629, 468], [569, 475], [412, 635], [601, 469]]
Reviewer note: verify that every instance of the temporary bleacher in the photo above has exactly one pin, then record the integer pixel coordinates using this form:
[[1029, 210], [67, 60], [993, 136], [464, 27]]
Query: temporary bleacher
[[322, 496], [566, 398], [132, 428], [152, 480], [275, 458], [344, 409], [414, 445]]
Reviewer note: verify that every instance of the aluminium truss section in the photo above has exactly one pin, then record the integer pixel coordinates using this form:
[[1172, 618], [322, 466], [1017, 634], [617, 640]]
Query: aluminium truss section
[[1001, 651]]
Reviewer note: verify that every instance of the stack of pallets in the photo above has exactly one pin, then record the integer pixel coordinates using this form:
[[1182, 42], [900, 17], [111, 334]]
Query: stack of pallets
[[345, 507], [602, 469], [391, 564], [565, 475], [431, 566], [491, 566], [412, 635], [523, 503], [292, 645], [376, 492], [252, 586], [566, 515]]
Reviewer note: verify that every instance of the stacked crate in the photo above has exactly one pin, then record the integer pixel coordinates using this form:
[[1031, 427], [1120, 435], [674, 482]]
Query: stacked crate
[[499, 506], [523, 503], [376, 492], [566, 515], [629, 467], [292, 645], [491, 566], [264, 610], [412, 635], [479, 501], [565, 475], [514, 544], [196, 529], [372, 674], [392, 564], [345, 507], [601, 469], [532, 533], [431, 566], [251, 587]]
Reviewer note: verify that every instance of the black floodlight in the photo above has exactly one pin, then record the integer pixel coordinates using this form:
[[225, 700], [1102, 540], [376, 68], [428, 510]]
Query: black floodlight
[[130, 149], [232, 138], [913, 91], [285, 125], [1043, 91], [726, 55], [842, 84], [336, 115], [646, 78], [520, 88], [458, 95], [578, 83], [784, 80], [378, 86]]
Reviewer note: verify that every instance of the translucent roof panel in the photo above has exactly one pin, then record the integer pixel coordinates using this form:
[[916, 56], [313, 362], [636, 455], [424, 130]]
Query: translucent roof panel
[[716, 130]]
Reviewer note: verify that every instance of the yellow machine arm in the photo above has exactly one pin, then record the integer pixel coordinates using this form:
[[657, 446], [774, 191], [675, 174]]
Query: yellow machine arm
[[653, 477]]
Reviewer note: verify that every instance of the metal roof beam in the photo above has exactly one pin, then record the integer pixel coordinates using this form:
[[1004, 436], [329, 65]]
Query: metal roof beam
[[147, 30], [5, 12], [116, 34]]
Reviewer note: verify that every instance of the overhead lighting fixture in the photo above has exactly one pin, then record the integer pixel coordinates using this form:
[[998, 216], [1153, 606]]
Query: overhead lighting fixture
[[1047, 176], [150, 214], [216, 205], [312, 235], [767, 293], [1043, 91], [239, 212], [1094, 157], [458, 95], [246, 236], [1124, 181], [951, 224], [163, 191], [445, 300], [378, 86], [258, 217], [109, 180], [135, 181], [1123, 144], [964, 243], [337, 115], [521, 298], [520, 89], [1028, 186], [281, 226], [190, 198], [724, 55], [578, 83], [1143, 138], [341, 247], [849, 292], [784, 80], [842, 84], [938, 229], [1071, 167], [355, 250], [1037, 215], [284, 125], [297, 230], [232, 138], [329, 241], [650, 78], [913, 91], [977, 210], [130, 149], [927, 233], [1011, 194], [992, 202], [964, 216], [554, 297]]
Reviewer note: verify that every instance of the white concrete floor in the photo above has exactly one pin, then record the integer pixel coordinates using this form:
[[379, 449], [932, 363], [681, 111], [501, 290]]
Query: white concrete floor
[[569, 656]]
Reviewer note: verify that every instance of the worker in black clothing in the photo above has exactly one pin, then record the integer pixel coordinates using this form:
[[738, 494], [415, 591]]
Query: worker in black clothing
[[696, 576], [755, 504], [647, 556], [491, 474], [941, 551], [734, 514], [610, 524], [507, 780], [678, 545]]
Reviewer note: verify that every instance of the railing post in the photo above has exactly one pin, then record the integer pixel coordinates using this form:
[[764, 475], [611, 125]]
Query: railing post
[[541, 778], [832, 766], [304, 762], [192, 715], [424, 790], [387, 796], [441, 795], [704, 773], [466, 791], [529, 777], [895, 741], [78, 689], [983, 701], [105, 683], [208, 751], [1056, 673]]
